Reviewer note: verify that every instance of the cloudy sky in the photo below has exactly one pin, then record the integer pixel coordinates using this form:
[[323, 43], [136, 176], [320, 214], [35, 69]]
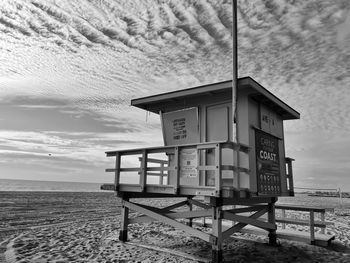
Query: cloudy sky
[[68, 70]]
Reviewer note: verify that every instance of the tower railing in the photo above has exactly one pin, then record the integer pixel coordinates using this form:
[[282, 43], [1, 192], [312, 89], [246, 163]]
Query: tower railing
[[170, 164]]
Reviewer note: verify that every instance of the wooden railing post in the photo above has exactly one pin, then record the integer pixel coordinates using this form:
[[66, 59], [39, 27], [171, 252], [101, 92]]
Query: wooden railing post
[[177, 169], [117, 171], [312, 227], [323, 222], [161, 174], [290, 174], [283, 218], [143, 173], [218, 174]]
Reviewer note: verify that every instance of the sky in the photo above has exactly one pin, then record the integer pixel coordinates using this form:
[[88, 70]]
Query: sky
[[68, 70]]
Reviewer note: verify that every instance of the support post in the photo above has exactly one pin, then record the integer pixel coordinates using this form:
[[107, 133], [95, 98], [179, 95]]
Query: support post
[[283, 218], [218, 173], [217, 234], [272, 219], [190, 207], [323, 222], [123, 233], [177, 170], [117, 171], [312, 227], [143, 173]]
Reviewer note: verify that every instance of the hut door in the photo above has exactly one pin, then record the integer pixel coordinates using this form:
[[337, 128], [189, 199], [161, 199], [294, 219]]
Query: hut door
[[218, 119]]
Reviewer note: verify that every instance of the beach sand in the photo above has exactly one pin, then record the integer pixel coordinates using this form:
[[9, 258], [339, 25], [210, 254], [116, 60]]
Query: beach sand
[[84, 227]]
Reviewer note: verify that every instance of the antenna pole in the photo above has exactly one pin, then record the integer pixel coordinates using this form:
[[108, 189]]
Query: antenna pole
[[235, 87], [234, 72]]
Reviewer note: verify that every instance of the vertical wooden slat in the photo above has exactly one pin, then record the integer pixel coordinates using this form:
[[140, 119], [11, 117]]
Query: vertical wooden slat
[[218, 174], [177, 170], [161, 174], [323, 221], [143, 173], [117, 171], [283, 218], [290, 176], [312, 227]]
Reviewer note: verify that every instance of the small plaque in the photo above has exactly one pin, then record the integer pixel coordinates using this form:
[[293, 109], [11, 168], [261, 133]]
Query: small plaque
[[188, 163]]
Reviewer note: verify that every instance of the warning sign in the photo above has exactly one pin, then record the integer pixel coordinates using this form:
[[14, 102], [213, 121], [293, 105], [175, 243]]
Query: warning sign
[[181, 127], [188, 163]]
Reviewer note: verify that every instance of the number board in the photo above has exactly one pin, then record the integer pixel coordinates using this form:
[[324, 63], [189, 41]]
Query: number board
[[267, 163]]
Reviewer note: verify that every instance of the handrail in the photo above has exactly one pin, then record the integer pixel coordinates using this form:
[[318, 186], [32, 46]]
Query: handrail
[[225, 144], [217, 167], [311, 222]]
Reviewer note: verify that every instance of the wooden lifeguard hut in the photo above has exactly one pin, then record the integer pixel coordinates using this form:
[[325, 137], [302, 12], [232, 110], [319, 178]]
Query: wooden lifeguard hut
[[200, 159]]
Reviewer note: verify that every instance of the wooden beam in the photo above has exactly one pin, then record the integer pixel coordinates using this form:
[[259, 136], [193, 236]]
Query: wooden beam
[[173, 206], [199, 204], [190, 214], [239, 226], [304, 208], [235, 168], [160, 169], [165, 211], [169, 221], [245, 209], [206, 167], [153, 160], [301, 222], [244, 201], [248, 220]]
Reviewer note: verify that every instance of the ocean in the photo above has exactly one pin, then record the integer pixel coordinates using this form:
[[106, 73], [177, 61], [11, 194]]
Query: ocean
[[48, 186], [51, 186]]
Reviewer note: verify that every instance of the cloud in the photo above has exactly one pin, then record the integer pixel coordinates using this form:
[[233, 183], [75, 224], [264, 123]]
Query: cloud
[[97, 55], [100, 54], [343, 34]]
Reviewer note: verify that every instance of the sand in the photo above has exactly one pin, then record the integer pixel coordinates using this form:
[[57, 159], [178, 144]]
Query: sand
[[84, 228]]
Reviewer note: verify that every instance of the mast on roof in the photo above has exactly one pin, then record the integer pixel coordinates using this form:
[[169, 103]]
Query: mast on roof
[[235, 83]]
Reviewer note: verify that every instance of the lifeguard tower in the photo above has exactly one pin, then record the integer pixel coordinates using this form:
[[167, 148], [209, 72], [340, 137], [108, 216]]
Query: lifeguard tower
[[200, 159]]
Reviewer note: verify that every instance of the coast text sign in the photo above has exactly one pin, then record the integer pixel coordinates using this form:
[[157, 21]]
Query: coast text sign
[[267, 163]]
